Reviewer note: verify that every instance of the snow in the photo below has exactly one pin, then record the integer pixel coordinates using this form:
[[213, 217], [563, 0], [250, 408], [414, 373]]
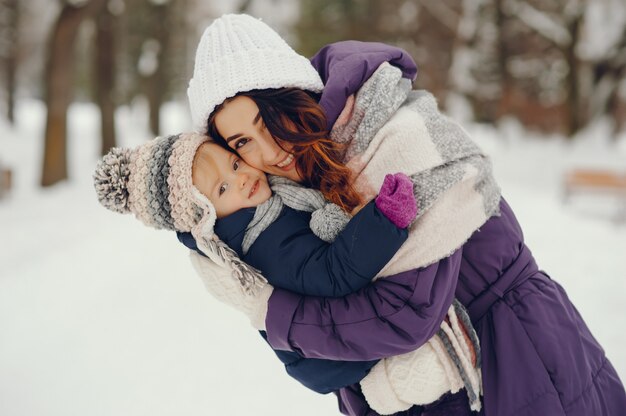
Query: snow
[[100, 315]]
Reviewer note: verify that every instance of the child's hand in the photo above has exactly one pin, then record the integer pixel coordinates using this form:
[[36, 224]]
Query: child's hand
[[396, 200]]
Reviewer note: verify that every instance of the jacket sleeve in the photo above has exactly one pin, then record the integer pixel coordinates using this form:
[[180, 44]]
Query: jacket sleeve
[[188, 241], [322, 376], [392, 316], [302, 263], [344, 67]]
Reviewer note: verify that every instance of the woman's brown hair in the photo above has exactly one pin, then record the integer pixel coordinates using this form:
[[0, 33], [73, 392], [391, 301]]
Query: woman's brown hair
[[293, 116]]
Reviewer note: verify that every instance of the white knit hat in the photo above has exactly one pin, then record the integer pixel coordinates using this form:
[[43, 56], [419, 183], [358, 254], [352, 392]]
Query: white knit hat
[[240, 53]]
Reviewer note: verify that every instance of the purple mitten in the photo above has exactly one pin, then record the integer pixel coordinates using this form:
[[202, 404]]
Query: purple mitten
[[396, 201]]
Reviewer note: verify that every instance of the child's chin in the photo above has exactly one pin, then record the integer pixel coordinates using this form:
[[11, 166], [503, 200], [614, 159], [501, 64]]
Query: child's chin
[[264, 195]]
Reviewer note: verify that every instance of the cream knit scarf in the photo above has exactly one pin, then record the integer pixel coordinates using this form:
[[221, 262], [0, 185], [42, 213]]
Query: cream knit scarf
[[389, 128]]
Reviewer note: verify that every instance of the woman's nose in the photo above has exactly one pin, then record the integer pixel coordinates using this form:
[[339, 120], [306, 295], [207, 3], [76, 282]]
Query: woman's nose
[[269, 151]]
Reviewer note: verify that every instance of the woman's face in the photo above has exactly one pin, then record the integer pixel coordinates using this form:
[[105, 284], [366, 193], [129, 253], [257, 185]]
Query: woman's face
[[239, 123]]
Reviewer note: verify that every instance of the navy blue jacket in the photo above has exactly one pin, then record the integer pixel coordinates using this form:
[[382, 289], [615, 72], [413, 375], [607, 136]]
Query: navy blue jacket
[[292, 257]]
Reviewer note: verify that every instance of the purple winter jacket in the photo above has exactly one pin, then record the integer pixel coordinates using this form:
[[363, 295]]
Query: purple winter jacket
[[538, 356]]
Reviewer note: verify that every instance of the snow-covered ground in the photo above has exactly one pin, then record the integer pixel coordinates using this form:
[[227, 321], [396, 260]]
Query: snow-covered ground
[[100, 315]]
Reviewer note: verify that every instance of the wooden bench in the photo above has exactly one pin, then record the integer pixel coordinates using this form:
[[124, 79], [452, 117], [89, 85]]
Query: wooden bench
[[597, 181]]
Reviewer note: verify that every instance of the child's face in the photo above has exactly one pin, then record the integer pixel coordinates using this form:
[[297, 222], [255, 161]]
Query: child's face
[[227, 181]]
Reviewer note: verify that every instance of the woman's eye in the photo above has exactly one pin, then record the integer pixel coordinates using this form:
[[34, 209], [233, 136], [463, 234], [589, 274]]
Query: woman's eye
[[240, 143], [223, 188]]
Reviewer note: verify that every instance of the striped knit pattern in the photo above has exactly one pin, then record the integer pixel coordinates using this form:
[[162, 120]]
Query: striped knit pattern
[[158, 191], [457, 349], [463, 316], [187, 203], [156, 180], [138, 183], [472, 372]]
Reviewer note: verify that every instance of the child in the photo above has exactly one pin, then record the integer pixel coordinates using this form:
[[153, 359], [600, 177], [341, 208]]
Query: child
[[188, 183], [286, 250], [210, 186]]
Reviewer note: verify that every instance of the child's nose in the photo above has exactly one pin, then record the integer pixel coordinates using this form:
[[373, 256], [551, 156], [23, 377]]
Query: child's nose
[[243, 179]]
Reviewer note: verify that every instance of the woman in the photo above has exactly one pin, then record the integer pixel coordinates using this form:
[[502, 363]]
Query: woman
[[538, 356]]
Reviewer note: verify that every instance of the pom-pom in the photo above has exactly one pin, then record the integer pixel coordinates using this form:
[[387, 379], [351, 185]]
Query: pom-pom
[[111, 180], [328, 222]]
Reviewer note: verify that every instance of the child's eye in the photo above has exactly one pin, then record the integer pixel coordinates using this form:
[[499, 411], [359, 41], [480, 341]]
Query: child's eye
[[240, 143], [236, 165], [222, 189]]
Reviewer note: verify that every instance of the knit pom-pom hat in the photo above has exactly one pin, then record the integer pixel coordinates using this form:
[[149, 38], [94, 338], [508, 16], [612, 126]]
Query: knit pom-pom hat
[[154, 182], [240, 53]]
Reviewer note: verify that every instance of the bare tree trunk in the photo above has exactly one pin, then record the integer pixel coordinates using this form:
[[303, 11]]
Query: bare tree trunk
[[155, 99], [438, 24], [608, 72], [156, 81], [11, 59], [59, 82], [105, 77], [244, 7], [574, 122], [505, 77]]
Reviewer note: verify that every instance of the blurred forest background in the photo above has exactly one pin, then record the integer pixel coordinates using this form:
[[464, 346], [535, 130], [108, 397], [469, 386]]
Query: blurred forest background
[[555, 65], [101, 316]]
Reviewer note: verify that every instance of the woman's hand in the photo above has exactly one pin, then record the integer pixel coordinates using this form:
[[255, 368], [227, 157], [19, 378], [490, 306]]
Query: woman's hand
[[396, 201]]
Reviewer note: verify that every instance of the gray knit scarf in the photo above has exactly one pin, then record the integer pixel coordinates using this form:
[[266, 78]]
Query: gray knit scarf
[[327, 219]]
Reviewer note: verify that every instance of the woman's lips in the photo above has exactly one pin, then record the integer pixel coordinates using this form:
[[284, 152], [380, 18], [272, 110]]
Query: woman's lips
[[287, 163]]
